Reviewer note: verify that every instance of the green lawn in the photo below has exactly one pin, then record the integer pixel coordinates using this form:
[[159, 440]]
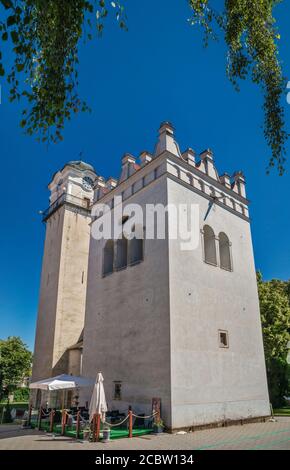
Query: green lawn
[[71, 432], [285, 411]]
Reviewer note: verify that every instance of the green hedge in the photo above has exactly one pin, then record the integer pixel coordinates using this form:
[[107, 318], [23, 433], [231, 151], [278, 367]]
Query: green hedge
[[21, 395], [6, 416]]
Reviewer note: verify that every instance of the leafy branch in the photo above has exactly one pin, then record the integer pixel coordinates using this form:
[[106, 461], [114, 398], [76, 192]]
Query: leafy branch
[[45, 35], [251, 37]]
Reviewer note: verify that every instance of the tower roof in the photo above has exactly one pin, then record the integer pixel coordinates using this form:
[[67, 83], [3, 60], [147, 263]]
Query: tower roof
[[80, 165]]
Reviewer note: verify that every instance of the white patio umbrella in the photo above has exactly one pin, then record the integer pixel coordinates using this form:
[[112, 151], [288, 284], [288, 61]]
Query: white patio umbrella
[[62, 382], [98, 402]]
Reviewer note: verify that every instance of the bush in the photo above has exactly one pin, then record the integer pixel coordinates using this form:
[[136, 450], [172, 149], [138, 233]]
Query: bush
[[6, 416], [21, 394]]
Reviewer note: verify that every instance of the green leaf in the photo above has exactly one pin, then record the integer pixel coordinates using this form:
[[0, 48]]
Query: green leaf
[[11, 20], [7, 4], [14, 36], [20, 67]]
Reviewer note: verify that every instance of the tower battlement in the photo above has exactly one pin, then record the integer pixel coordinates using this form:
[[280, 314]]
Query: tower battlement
[[199, 172]]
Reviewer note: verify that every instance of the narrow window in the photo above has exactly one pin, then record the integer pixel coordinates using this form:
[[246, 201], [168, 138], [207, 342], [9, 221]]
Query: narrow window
[[108, 262], [136, 245], [87, 202], [225, 252], [117, 391], [122, 253], [223, 339], [209, 245]]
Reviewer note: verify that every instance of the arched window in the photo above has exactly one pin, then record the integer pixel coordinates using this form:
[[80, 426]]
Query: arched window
[[225, 252], [122, 253], [136, 245], [209, 245], [108, 262]]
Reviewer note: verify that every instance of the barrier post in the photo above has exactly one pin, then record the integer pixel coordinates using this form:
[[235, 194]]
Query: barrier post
[[29, 415], [78, 425], [98, 427], [63, 422], [51, 420], [94, 427], [130, 423], [39, 418]]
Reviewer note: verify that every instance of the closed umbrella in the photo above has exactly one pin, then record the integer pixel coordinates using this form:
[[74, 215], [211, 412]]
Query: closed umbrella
[[98, 404]]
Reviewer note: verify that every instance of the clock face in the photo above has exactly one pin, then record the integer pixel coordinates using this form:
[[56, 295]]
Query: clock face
[[88, 183]]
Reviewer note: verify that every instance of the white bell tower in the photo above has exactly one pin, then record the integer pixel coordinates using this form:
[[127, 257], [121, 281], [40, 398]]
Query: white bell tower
[[64, 270]]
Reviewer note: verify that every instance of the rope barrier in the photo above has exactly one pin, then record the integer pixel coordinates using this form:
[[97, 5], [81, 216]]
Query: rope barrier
[[145, 417], [127, 417], [110, 425], [83, 419], [116, 424]]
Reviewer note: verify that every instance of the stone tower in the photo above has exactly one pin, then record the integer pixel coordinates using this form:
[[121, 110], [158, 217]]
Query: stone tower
[[64, 272], [162, 322]]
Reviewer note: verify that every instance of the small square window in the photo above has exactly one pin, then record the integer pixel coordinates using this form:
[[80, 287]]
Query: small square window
[[223, 339], [117, 391]]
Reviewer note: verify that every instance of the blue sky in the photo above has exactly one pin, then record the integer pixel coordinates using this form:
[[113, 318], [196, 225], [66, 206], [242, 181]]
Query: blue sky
[[156, 71]]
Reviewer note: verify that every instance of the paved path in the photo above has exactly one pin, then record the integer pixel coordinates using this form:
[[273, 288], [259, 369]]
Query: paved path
[[250, 436]]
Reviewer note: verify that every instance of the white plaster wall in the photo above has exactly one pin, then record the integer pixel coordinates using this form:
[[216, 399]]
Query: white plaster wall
[[62, 292], [74, 361], [44, 339], [72, 286], [210, 384], [126, 334]]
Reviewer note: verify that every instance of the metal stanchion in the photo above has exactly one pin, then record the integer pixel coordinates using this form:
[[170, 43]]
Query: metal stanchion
[[130, 424], [63, 422], [78, 425], [51, 421], [98, 427], [39, 418]]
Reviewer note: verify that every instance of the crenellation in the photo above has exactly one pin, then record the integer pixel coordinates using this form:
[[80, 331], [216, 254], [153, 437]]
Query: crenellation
[[189, 157], [166, 141], [128, 167], [239, 183], [111, 183], [99, 188], [168, 147], [225, 179], [145, 158]]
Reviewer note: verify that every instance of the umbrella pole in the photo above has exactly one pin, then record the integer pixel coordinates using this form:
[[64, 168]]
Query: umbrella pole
[[63, 417], [40, 411]]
